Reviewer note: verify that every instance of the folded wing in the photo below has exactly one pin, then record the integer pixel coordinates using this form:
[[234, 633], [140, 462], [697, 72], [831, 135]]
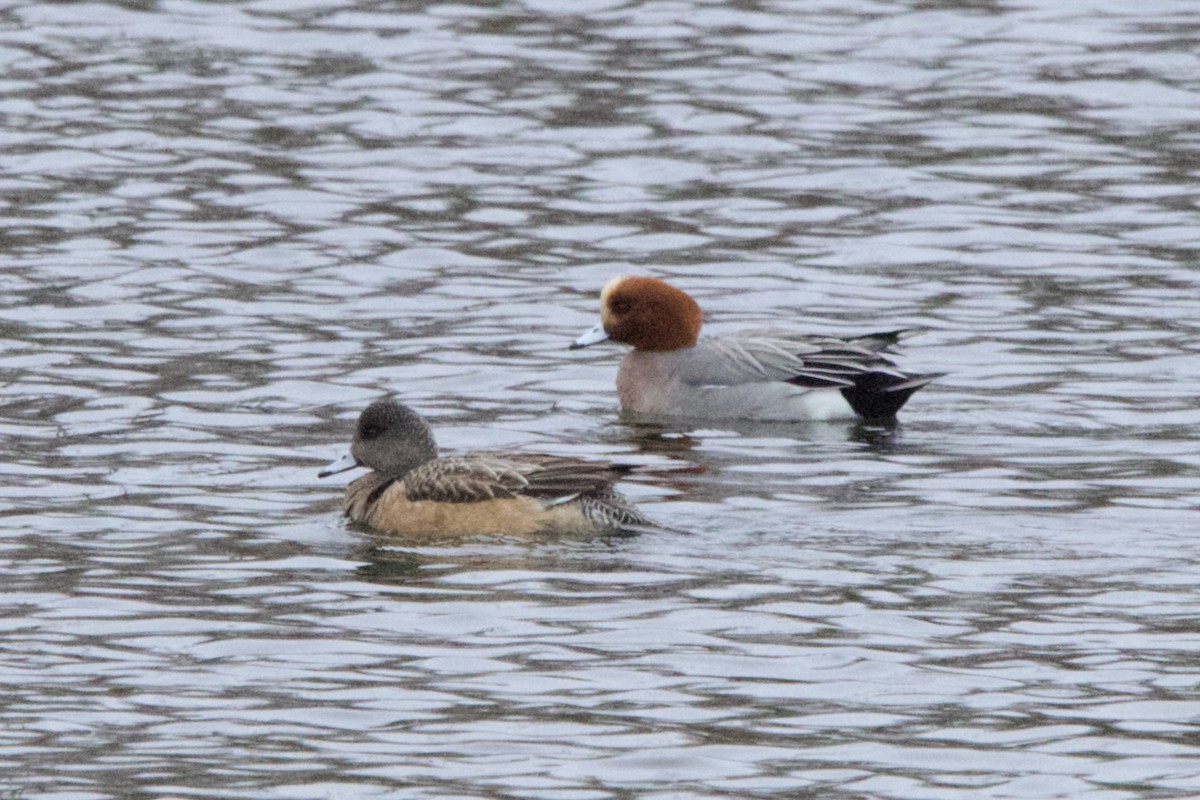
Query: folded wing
[[808, 361], [479, 477]]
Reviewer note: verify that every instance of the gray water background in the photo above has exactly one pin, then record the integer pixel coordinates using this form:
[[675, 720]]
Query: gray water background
[[226, 227]]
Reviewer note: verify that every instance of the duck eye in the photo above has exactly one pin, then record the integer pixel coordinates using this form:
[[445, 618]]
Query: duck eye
[[370, 430], [620, 305]]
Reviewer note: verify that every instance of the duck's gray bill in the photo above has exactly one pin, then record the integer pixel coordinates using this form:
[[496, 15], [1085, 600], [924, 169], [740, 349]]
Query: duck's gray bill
[[593, 336], [344, 463]]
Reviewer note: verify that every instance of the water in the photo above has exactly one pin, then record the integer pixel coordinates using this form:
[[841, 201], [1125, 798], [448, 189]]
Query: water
[[228, 227]]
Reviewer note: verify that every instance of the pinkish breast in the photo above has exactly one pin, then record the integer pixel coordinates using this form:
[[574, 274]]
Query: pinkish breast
[[647, 385]]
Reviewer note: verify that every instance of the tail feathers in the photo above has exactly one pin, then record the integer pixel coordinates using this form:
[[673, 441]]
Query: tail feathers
[[879, 395], [614, 512]]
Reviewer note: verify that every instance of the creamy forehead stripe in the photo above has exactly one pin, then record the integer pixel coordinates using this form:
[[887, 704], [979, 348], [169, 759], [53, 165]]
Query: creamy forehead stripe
[[608, 289]]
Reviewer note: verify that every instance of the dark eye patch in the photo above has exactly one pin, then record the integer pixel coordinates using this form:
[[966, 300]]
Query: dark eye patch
[[620, 305]]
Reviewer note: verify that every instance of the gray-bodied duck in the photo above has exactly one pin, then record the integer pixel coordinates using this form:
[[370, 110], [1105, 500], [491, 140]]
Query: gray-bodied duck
[[756, 375]]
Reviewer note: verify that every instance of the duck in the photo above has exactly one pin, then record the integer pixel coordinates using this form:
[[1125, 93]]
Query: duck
[[751, 375], [413, 492]]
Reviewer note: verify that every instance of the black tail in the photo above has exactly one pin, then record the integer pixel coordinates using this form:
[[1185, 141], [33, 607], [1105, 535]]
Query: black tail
[[879, 395]]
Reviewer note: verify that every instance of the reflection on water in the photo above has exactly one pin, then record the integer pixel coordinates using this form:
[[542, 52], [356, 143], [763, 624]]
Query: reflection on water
[[230, 227]]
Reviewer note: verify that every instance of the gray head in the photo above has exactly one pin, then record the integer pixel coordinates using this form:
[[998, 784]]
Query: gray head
[[390, 438]]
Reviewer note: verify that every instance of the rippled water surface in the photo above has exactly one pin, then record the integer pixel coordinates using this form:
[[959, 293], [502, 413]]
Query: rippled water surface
[[229, 226]]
